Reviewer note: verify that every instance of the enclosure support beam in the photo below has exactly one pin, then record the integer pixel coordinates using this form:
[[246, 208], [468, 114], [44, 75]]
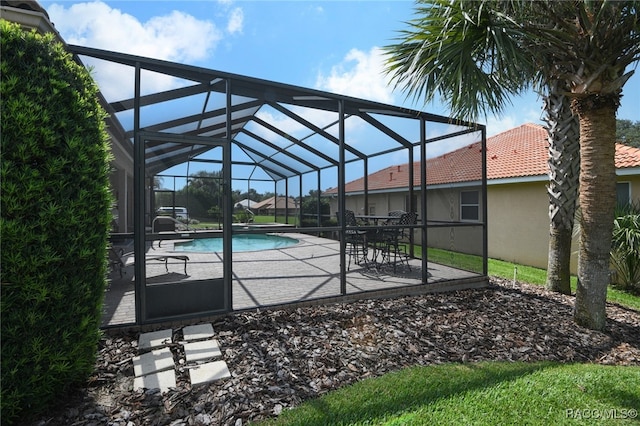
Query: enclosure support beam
[[341, 200], [299, 203], [138, 205], [227, 228], [485, 232], [412, 206], [423, 197], [318, 206], [366, 186]]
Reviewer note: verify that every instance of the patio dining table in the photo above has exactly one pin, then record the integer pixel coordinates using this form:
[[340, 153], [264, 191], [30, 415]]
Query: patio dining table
[[375, 238], [382, 239], [375, 219]]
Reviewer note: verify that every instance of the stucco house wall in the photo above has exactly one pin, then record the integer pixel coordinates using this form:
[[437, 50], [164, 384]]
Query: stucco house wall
[[518, 221]]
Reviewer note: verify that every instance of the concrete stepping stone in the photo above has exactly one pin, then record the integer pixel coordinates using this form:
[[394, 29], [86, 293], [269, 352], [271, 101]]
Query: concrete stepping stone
[[197, 332], [162, 380], [204, 349], [155, 339], [209, 372], [151, 362]]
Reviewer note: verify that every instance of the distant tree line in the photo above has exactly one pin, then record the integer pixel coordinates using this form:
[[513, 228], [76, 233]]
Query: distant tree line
[[203, 196], [628, 132]]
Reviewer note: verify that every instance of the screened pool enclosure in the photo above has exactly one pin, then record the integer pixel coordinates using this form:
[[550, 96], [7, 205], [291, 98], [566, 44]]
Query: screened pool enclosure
[[190, 129]]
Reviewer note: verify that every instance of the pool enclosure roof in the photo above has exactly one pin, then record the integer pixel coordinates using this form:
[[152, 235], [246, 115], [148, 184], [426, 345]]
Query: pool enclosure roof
[[279, 129]]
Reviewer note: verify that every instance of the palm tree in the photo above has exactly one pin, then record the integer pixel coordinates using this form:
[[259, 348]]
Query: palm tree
[[591, 49], [563, 130], [496, 48], [488, 42]]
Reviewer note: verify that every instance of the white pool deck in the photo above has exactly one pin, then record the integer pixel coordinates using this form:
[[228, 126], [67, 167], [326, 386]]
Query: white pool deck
[[306, 273]]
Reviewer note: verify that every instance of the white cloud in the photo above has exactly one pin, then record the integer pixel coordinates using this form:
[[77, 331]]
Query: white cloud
[[360, 74], [176, 36], [236, 21]]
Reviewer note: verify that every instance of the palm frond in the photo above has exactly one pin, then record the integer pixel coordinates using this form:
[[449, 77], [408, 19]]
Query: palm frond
[[466, 52]]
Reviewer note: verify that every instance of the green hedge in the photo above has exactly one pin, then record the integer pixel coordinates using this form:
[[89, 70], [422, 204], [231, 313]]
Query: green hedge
[[55, 205]]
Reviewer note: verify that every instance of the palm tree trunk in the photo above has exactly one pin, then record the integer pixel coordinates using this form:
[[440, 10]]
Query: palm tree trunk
[[597, 204], [563, 130]]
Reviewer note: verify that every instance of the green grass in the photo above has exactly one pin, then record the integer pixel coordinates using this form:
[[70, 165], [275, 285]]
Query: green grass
[[488, 393], [208, 223], [528, 274]]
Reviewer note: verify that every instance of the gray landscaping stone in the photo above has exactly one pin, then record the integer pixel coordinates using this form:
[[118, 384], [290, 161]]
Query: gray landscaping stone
[[162, 380], [155, 339], [205, 349], [209, 372], [197, 332], [158, 360]]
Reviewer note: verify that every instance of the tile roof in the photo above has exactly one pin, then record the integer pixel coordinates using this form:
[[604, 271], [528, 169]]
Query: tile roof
[[519, 152], [269, 203]]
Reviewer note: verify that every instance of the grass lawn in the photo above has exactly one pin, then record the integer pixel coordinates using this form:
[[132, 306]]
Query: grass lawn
[[209, 224], [487, 393], [528, 274]]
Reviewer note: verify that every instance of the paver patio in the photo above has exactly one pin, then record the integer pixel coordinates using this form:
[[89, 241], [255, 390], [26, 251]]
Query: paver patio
[[303, 272]]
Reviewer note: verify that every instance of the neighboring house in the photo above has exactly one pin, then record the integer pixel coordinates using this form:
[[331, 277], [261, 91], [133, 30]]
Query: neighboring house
[[275, 206], [30, 15], [246, 204], [517, 200]]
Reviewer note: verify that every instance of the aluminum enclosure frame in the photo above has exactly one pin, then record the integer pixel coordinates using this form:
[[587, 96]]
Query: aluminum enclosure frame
[[245, 100]]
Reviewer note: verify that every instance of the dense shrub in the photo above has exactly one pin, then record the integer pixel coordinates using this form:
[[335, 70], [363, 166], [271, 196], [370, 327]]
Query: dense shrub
[[625, 250], [55, 205]]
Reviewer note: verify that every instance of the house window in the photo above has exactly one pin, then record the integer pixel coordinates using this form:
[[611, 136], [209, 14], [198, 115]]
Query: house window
[[372, 209], [623, 193], [469, 205]]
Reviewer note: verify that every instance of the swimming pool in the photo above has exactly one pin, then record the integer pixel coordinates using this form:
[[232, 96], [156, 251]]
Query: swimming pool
[[244, 242]]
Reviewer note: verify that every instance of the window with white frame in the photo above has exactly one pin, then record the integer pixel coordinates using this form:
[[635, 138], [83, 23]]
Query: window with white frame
[[469, 205]]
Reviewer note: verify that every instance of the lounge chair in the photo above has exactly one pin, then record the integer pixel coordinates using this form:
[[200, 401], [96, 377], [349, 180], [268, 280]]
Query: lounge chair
[[119, 260]]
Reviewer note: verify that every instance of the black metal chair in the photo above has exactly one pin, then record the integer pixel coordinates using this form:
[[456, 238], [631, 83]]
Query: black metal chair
[[393, 249], [355, 239]]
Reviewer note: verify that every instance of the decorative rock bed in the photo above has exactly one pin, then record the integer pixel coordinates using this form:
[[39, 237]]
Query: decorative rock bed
[[278, 359]]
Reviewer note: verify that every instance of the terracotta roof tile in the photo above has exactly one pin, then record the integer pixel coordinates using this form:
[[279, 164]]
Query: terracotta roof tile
[[518, 152], [269, 203]]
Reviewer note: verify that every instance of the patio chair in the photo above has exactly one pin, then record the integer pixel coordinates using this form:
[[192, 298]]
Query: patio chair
[[116, 261], [355, 239], [393, 239], [120, 260]]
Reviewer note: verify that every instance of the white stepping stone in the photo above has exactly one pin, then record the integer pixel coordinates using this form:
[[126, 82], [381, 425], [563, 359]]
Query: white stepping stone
[[162, 380], [158, 360], [209, 372], [205, 349], [197, 332], [155, 339]]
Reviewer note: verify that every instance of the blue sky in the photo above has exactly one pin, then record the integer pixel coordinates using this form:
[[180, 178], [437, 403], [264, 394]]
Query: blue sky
[[327, 45]]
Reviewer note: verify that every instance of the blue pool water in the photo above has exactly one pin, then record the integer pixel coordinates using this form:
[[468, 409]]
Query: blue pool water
[[245, 242]]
